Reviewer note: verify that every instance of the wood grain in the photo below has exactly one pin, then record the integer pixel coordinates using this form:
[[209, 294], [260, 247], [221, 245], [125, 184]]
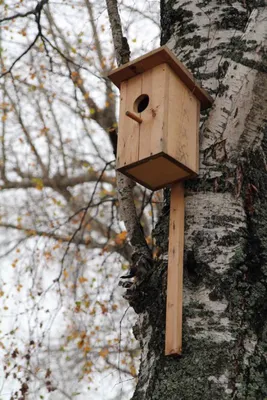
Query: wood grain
[[154, 84], [183, 114], [173, 338], [128, 135]]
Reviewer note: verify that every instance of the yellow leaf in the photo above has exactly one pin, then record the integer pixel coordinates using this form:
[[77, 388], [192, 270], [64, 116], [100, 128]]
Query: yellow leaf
[[65, 273], [133, 370], [19, 287], [104, 352], [14, 264], [88, 364], [82, 279], [87, 304], [38, 183]]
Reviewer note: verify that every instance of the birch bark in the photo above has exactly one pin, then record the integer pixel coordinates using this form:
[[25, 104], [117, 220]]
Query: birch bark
[[225, 284]]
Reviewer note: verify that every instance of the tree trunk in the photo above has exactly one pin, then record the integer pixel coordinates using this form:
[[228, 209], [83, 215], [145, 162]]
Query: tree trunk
[[223, 43]]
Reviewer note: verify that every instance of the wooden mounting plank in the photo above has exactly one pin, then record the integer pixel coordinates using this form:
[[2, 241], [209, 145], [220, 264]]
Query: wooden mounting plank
[[174, 306], [154, 58]]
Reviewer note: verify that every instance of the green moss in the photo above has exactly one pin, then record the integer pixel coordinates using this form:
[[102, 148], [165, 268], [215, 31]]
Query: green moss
[[201, 359]]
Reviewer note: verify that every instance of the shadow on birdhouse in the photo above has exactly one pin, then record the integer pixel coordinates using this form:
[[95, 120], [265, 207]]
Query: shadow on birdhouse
[[159, 119]]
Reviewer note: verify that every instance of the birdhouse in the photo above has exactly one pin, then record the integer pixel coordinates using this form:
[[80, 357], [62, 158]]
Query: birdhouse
[[160, 105]]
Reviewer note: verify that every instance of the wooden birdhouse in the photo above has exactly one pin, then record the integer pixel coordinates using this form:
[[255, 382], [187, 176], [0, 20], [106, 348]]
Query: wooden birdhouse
[[159, 119]]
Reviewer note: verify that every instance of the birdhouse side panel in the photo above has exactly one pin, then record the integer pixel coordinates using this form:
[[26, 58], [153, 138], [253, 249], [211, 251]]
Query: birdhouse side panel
[[128, 133], [183, 124], [155, 86]]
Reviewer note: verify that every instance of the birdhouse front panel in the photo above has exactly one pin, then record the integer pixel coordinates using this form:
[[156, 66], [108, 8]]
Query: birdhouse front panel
[[143, 95], [128, 142], [159, 119]]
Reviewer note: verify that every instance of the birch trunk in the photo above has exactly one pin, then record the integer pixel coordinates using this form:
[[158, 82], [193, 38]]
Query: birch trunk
[[224, 44]]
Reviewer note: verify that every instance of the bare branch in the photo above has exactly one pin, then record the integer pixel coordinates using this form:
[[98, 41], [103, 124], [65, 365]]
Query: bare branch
[[36, 11], [20, 56], [56, 182], [81, 222]]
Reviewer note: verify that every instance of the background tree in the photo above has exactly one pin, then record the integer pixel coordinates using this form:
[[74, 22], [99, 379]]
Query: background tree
[[64, 326]]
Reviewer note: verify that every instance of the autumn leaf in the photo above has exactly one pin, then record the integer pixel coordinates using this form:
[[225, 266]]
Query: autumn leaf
[[65, 273], [15, 353], [82, 279], [87, 349], [74, 75], [121, 237], [48, 373], [104, 352], [38, 182], [133, 370], [104, 309]]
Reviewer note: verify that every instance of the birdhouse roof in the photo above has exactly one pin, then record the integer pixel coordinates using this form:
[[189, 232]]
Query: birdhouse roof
[[154, 58]]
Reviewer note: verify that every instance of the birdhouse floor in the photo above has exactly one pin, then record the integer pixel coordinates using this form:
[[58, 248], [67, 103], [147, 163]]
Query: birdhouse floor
[[157, 171]]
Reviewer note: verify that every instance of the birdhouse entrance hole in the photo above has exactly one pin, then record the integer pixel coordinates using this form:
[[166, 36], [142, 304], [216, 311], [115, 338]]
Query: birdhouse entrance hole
[[141, 103]]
